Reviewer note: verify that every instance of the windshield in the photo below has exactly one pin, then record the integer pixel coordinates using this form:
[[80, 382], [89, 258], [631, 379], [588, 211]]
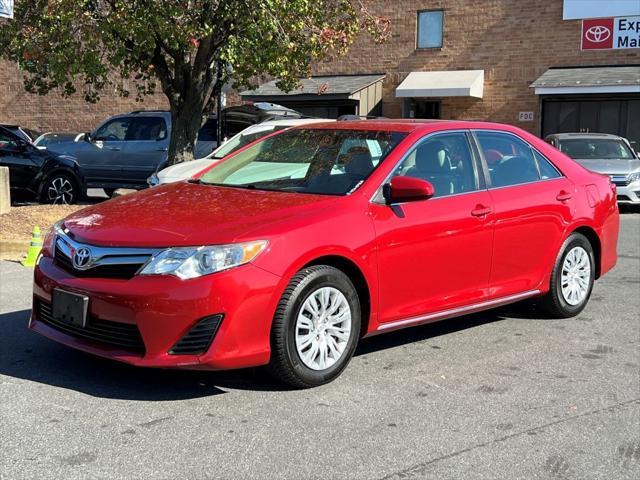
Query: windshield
[[329, 162], [595, 148], [50, 139]]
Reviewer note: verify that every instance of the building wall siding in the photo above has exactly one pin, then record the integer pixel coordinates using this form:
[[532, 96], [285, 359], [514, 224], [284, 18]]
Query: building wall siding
[[53, 112], [513, 41]]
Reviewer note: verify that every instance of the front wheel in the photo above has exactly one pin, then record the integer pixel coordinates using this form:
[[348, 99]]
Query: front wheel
[[60, 188], [572, 278], [316, 327]]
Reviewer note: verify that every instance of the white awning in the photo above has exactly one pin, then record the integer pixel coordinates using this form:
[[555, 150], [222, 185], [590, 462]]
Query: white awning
[[454, 83]]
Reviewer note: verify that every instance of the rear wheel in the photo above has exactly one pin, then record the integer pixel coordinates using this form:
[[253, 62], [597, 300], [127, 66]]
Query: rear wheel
[[60, 188], [316, 327], [109, 192], [572, 278]]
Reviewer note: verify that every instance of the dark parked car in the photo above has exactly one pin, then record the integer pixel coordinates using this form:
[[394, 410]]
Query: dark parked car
[[235, 119], [35, 173]]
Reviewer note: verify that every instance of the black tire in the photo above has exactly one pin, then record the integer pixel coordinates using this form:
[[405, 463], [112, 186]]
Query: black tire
[[109, 192], [60, 188], [286, 364], [554, 302]]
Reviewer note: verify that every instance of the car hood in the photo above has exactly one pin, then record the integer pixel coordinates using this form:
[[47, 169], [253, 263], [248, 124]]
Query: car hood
[[185, 170], [186, 214], [610, 166], [66, 147]]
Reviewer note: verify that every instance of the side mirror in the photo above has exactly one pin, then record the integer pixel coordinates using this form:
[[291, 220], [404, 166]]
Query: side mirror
[[407, 189]]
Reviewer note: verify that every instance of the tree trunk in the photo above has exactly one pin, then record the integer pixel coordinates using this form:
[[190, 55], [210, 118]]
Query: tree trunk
[[186, 120]]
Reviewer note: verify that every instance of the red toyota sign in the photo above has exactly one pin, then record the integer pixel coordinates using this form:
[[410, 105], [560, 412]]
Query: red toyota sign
[[611, 33], [597, 34]]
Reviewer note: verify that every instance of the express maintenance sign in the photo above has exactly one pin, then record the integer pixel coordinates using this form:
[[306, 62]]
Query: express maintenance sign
[[611, 33]]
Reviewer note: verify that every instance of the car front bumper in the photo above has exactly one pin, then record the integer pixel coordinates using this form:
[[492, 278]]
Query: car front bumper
[[164, 309], [629, 194]]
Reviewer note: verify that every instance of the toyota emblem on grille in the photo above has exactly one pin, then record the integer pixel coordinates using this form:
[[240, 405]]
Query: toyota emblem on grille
[[82, 258], [597, 34]]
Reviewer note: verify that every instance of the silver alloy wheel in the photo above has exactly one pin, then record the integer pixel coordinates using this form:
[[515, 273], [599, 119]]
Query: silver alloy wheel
[[323, 328], [60, 190], [576, 276]]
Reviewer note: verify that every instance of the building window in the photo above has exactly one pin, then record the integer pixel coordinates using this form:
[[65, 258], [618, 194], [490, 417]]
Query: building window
[[430, 28]]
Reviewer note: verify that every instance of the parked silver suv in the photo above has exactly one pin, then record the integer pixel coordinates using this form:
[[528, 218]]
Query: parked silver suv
[[604, 153]]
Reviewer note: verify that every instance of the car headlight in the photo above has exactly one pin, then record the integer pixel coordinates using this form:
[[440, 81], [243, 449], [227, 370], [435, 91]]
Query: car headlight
[[192, 262], [49, 242], [633, 177]]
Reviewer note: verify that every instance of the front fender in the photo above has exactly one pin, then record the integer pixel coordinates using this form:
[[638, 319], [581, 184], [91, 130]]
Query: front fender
[[70, 167]]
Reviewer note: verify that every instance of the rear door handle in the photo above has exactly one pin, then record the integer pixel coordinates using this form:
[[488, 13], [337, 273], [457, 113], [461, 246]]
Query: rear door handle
[[563, 196], [481, 211], [115, 149], [162, 149]]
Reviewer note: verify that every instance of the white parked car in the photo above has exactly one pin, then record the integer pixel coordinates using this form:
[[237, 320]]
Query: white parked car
[[186, 170]]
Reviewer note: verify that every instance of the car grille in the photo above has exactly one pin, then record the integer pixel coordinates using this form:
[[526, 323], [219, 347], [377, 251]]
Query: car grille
[[103, 332], [122, 270], [99, 262], [199, 338], [620, 180]]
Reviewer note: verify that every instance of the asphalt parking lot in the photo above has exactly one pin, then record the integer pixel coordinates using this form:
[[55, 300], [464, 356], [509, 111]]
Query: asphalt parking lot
[[502, 394]]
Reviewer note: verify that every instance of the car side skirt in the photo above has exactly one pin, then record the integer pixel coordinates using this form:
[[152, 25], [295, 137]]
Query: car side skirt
[[454, 312]]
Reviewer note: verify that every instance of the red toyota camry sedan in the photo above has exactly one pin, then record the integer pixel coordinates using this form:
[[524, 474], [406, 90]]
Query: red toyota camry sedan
[[290, 251]]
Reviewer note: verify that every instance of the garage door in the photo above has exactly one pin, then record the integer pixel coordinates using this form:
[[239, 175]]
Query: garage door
[[619, 116]]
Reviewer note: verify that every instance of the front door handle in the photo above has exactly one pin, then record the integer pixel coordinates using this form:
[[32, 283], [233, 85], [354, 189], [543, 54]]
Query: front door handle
[[114, 149], [563, 196], [481, 211]]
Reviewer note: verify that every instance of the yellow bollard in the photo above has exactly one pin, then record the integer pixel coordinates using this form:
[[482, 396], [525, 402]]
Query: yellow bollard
[[34, 248]]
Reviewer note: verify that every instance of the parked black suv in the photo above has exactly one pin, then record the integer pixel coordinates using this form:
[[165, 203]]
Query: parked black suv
[[37, 173]]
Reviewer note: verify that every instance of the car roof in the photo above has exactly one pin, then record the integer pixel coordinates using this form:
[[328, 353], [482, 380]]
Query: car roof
[[145, 113], [564, 136], [411, 125], [293, 122]]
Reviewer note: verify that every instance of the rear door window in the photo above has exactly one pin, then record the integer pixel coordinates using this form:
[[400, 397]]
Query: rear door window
[[146, 129], [510, 160]]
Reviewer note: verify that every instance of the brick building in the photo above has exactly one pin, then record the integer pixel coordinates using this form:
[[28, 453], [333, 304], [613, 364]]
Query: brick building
[[499, 60], [484, 59], [53, 112]]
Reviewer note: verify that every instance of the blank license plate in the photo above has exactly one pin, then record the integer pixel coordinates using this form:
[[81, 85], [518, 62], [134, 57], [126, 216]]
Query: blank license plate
[[70, 307]]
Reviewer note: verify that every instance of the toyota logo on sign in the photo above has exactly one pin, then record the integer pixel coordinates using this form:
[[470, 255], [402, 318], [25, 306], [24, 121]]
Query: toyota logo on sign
[[82, 258], [597, 34]]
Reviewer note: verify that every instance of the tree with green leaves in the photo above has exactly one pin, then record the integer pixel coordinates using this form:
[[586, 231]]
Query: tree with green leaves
[[190, 48]]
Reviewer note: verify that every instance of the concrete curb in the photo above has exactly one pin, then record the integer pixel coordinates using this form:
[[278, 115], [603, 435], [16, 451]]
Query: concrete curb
[[13, 249]]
